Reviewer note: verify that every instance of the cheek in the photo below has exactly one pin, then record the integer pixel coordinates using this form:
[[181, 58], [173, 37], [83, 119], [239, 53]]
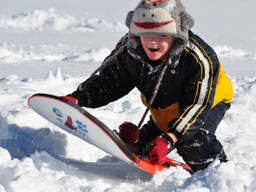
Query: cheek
[[142, 39], [144, 43], [165, 46]]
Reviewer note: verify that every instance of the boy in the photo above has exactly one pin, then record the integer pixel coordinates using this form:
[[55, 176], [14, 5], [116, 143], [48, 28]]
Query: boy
[[180, 80]]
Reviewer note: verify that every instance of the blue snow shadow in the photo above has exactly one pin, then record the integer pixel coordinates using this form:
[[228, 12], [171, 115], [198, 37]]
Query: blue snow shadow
[[24, 141]]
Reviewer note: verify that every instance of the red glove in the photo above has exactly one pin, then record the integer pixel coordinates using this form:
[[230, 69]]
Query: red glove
[[159, 151], [129, 133], [70, 98]]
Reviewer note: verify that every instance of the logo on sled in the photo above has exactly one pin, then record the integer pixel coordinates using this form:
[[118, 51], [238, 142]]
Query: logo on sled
[[69, 123], [58, 114], [76, 126]]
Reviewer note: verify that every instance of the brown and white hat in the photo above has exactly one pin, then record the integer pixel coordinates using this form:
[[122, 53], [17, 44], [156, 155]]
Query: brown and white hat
[[167, 17]]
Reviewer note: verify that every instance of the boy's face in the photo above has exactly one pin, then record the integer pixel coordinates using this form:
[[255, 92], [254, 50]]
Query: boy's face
[[156, 46]]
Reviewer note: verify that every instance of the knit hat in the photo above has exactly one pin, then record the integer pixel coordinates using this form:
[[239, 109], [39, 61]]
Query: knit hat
[[166, 17]]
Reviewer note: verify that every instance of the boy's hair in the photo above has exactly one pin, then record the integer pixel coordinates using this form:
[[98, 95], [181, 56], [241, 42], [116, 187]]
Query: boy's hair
[[164, 17]]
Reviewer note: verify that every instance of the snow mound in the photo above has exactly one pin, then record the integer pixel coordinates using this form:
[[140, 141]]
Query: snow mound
[[96, 24], [11, 53], [230, 52], [51, 20], [5, 156], [237, 62]]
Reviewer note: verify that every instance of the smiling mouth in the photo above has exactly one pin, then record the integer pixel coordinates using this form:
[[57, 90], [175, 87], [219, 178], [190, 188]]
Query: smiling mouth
[[153, 50]]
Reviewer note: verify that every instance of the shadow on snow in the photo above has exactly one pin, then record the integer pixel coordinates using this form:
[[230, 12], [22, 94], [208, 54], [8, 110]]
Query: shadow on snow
[[24, 141]]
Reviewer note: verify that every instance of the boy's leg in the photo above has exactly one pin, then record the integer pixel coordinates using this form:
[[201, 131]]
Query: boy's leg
[[204, 148]]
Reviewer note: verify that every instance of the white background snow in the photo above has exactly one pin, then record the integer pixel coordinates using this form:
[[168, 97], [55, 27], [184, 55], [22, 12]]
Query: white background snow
[[51, 46]]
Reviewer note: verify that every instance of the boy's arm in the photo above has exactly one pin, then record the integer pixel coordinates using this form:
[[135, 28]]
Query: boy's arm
[[199, 82], [113, 82]]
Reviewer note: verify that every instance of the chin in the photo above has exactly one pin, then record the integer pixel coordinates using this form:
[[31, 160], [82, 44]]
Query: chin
[[154, 58]]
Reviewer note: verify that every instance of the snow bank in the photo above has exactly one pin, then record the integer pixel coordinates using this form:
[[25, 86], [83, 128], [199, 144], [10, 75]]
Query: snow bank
[[51, 20], [237, 62], [11, 53], [230, 52], [41, 172]]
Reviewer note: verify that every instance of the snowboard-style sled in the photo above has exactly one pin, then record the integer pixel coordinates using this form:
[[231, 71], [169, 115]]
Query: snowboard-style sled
[[75, 120]]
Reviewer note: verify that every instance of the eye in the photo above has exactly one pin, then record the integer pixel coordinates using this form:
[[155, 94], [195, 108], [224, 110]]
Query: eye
[[164, 37]]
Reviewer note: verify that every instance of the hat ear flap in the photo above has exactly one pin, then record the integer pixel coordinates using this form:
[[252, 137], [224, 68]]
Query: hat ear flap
[[128, 19], [187, 22]]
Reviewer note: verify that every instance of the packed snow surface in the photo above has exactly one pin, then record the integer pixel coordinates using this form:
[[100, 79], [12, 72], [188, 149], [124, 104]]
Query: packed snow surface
[[52, 46]]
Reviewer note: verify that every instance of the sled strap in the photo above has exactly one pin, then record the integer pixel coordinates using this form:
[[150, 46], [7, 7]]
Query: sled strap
[[155, 91]]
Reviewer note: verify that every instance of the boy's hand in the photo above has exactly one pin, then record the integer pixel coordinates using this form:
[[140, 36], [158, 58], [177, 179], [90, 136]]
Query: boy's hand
[[159, 148], [70, 98], [129, 133]]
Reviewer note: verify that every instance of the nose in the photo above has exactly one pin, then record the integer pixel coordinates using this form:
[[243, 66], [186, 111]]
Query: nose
[[153, 41]]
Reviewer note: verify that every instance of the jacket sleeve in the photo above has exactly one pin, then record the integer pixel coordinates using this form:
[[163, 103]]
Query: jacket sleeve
[[113, 82], [199, 83]]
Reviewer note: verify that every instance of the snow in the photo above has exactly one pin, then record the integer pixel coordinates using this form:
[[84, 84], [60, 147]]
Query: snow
[[51, 46], [43, 20]]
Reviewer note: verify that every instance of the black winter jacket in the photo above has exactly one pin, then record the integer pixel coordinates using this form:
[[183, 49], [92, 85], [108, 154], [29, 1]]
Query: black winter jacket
[[193, 83]]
